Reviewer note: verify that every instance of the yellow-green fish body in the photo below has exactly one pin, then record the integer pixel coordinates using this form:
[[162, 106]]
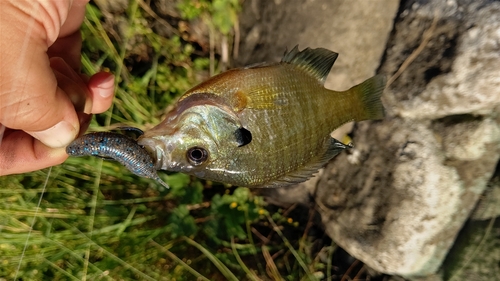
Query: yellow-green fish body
[[262, 126]]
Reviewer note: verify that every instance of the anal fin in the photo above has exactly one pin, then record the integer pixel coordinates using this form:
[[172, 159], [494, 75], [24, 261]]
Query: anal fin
[[332, 148]]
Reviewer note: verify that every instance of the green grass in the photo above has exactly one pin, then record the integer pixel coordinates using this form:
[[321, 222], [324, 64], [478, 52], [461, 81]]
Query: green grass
[[90, 219]]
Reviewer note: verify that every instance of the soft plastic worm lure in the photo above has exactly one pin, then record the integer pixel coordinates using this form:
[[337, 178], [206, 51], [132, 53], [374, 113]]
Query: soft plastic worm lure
[[118, 147]]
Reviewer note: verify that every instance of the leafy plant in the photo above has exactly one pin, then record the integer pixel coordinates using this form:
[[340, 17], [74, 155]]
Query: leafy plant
[[221, 13]]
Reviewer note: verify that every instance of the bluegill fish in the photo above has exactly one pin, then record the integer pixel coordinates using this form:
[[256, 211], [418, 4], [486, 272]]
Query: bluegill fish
[[262, 126], [118, 147]]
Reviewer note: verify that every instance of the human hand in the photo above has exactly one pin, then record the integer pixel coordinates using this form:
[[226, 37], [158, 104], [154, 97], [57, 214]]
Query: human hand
[[45, 102]]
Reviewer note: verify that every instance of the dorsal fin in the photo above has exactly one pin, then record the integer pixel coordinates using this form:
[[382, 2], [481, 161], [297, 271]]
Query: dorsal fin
[[317, 62], [332, 148]]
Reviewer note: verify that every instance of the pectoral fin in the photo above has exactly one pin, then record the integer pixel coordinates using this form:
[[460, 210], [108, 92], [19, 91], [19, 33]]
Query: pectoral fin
[[332, 148]]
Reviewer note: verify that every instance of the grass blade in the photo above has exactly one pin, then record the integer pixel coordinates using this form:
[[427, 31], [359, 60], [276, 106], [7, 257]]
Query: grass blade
[[222, 268], [179, 261], [291, 249]]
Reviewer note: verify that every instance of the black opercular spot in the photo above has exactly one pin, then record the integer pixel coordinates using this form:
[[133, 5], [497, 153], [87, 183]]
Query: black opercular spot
[[197, 155], [243, 136]]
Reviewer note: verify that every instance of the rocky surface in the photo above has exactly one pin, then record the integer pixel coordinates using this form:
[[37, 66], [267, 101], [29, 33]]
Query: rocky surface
[[398, 200]]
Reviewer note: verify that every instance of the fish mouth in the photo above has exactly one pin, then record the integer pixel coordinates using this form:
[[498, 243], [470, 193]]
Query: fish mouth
[[157, 150]]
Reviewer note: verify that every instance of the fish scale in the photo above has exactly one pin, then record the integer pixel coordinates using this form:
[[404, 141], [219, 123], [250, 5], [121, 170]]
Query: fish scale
[[293, 111], [283, 106]]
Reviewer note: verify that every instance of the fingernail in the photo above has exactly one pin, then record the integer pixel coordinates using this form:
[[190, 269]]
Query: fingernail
[[105, 88], [59, 135]]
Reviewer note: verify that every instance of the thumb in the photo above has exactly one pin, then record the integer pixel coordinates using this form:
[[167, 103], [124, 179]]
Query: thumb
[[71, 95], [30, 98], [32, 101], [65, 122]]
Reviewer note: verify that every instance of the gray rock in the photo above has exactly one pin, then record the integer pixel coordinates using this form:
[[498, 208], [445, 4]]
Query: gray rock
[[358, 33], [458, 71], [418, 174]]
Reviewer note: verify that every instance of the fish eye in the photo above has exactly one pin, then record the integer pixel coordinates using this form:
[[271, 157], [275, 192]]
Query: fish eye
[[197, 155]]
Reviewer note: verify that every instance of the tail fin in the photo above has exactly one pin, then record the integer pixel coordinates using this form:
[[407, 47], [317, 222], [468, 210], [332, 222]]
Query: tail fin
[[369, 93]]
